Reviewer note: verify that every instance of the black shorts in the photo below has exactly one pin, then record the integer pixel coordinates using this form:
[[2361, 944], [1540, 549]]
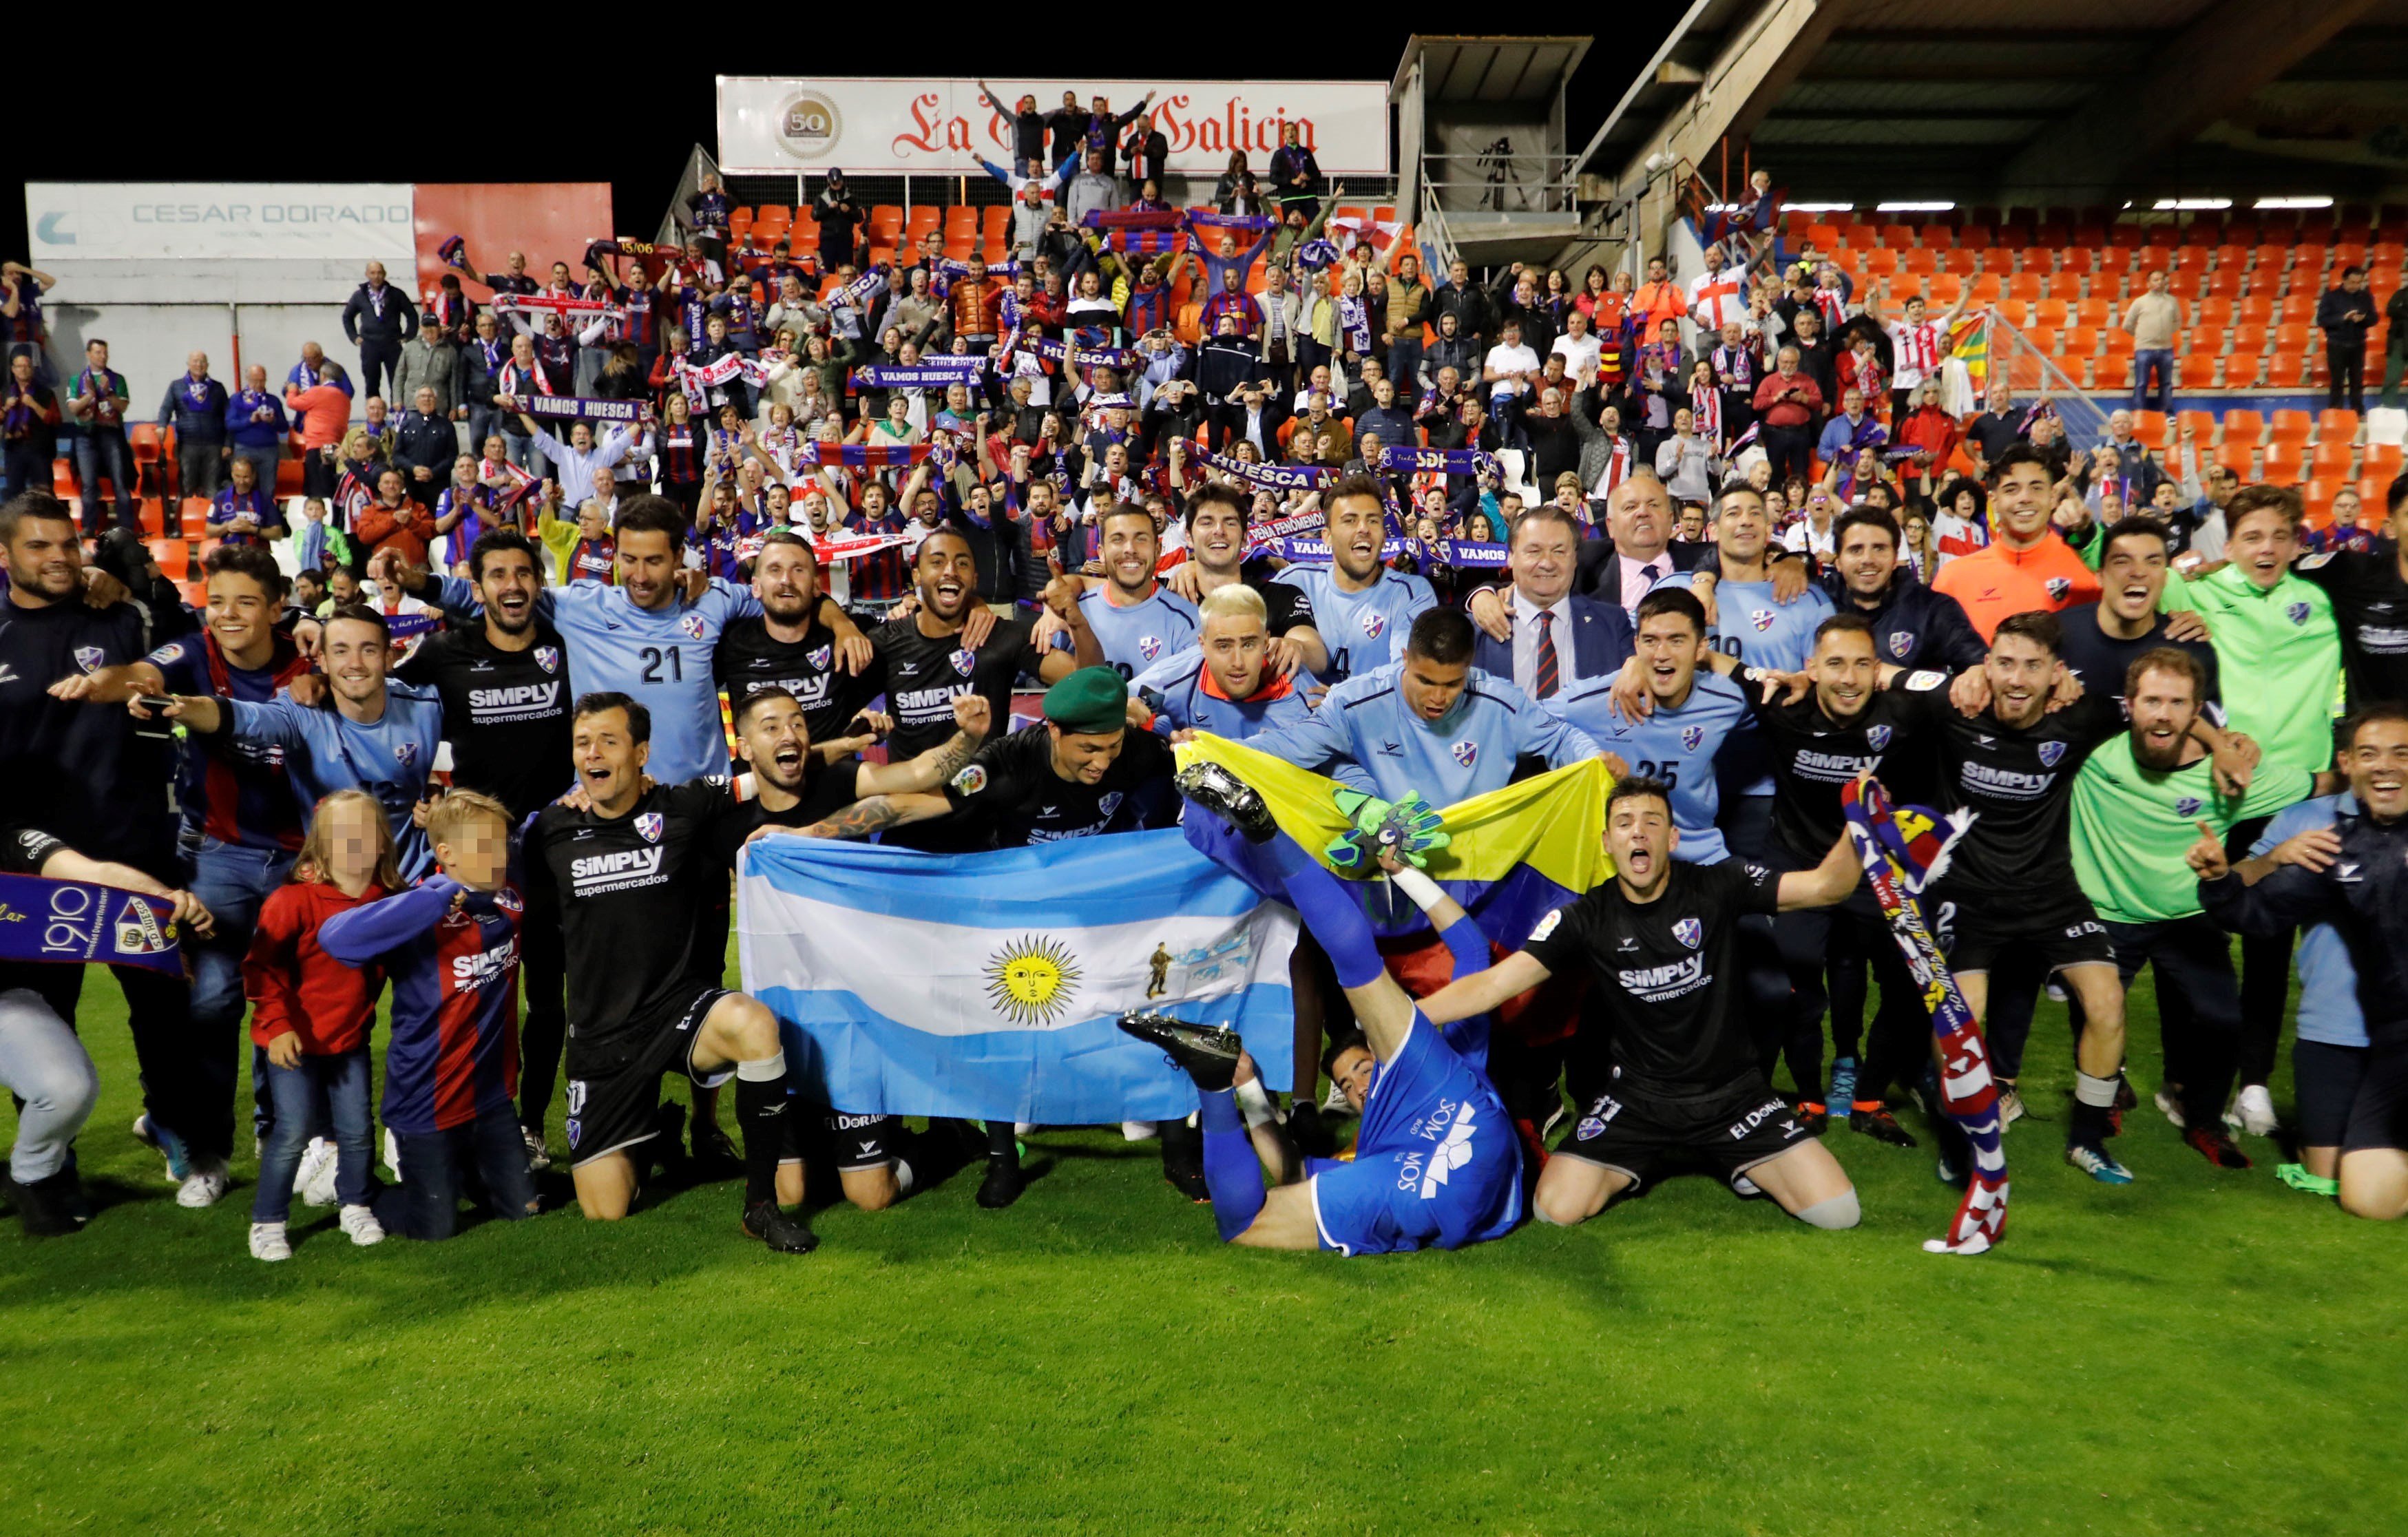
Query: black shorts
[[2325, 1081], [611, 1111], [1733, 1129], [2378, 1117], [2056, 927], [858, 1142]]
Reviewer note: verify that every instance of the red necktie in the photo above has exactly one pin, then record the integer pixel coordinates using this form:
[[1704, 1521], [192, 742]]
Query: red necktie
[[1548, 676]]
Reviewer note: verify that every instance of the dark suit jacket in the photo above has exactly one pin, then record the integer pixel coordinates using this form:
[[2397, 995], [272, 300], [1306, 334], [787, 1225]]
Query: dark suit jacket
[[1600, 575], [1229, 425], [1600, 636]]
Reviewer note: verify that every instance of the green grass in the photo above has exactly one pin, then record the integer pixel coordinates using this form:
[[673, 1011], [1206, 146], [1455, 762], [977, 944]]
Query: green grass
[[2199, 1351]]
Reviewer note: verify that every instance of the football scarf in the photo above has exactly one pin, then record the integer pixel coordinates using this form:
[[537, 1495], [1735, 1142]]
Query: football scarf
[[581, 407], [861, 290], [1466, 553], [1145, 242], [570, 308], [73, 922], [1274, 477], [1117, 358], [1355, 323], [1252, 223], [933, 372], [1403, 461], [1131, 219], [698, 382], [1263, 534], [1906, 850], [861, 455]]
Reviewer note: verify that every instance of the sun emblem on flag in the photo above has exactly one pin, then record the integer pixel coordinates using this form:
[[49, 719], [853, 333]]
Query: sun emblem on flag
[[1031, 980]]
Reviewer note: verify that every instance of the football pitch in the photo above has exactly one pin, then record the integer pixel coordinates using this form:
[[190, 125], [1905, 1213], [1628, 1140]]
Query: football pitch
[[2201, 1350]]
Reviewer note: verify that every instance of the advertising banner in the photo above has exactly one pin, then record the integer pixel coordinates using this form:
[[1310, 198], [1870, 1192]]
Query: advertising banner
[[910, 126], [220, 221]]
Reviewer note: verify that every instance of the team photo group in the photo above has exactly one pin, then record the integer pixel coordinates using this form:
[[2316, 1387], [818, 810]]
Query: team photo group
[[799, 707]]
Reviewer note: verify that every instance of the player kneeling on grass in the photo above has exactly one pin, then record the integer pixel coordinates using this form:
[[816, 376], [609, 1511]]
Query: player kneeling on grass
[[312, 1012], [1436, 1161], [451, 946], [1661, 941]]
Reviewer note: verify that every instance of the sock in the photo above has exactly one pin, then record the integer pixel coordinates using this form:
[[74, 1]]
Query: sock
[[1231, 1171], [1002, 1140], [1835, 1214], [1254, 1103], [903, 1179], [761, 1111], [1328, 911], [2093, 1098]]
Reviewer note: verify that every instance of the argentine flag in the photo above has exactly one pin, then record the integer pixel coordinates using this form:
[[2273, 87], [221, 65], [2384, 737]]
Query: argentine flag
[[988, 984]]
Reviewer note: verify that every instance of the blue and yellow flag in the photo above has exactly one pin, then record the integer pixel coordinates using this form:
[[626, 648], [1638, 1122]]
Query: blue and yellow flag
[[1514, 853]]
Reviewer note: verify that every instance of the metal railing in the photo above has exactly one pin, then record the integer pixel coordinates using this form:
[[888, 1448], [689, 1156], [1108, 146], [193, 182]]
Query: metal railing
[[1491, 181]]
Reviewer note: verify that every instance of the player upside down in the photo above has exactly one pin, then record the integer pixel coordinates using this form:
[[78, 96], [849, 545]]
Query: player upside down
[[1436, 1159]]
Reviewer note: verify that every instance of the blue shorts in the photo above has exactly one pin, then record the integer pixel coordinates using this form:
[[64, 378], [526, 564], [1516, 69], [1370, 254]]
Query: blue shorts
[[1437, 1162]]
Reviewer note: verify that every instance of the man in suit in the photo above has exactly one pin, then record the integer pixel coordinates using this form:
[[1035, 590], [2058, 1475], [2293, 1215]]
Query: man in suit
[[1254, 416], [1559, 638]]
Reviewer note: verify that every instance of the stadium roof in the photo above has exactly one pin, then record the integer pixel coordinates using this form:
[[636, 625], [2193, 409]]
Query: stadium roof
[[2042, 102]]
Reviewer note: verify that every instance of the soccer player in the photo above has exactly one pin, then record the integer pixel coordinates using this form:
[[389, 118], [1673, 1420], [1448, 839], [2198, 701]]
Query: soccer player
[[1216, 549], [628, 871], [1137, 620], [2025, 566], [2011, 888], [2370, 602], [1361, 609], [1431, 725], [2280, 649], [379, 737], [793, 643], [794, 790], [2358, 881], [2135, 803], [240, 818], [1435, 1163], [925, 660], [1225, 684], [451, 946], [1658, 943], [2102, 641]]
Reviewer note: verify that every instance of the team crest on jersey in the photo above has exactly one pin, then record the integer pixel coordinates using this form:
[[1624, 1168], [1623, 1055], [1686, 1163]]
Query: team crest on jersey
[[2187, 806], [648, 826], [964, 661], [691, 627], [2059, 588], [1690, 932], [2298, 612], [509, 900], [1761, 618], [819, 657], [1465, 752], [1149, 646], [1690, 737], [1900, 642], [2050, 751], [88, 657], [1375, 625], [405, 753], [1877, 738], [548, 658], [1109, 804]]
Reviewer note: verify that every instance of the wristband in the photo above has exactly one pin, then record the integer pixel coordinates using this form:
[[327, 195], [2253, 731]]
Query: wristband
[[1420, 887]]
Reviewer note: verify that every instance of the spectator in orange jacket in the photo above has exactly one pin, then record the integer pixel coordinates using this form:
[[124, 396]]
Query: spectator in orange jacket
[[319, 414], [1658, 299], [394, 522]]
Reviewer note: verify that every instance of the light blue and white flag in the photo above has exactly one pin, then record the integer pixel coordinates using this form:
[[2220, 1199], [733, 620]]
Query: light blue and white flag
[[987, 984]]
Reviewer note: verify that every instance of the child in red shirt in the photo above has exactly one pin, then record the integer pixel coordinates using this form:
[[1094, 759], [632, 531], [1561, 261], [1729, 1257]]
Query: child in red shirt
[[310, 1014]]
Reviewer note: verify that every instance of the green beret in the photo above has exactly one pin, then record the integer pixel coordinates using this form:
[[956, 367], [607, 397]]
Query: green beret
[[1092, 701]]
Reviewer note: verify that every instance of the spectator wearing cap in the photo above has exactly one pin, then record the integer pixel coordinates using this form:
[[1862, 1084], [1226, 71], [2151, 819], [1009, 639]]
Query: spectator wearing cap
[[194, 409], [377, 318], [430, 361]]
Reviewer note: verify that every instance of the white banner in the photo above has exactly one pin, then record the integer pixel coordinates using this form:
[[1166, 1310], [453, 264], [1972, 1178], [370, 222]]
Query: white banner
[[886, 126], [218, 220]]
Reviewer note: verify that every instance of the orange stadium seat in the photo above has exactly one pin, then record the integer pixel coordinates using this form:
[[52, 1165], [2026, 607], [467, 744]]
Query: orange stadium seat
[[2215, 310], [2112, 372], [2051, 312], [2240, 458], [2044, 340], [2282, 463], [2331, 459], [2284, 370], [2201, 425], [2297, 308], [2243, 426], [2017, 312], [2081, 341], [2336, 425], [2381, 461], [2292, 337], [2024, 285], [2258, 308], [2289, 427]]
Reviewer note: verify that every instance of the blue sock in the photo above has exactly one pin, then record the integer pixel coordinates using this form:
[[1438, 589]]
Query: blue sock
[[1329, 911], [1468, 945], [1231, 1171]]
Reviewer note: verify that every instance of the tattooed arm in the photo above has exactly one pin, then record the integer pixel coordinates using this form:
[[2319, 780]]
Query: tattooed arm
[[864, 817], [933, 767]]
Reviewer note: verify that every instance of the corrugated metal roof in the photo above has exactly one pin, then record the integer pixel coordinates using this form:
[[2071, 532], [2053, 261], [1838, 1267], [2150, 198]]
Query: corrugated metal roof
[[1491, 69]]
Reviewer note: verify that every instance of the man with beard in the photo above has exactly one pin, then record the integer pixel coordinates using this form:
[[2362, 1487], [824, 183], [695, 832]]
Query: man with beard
[[505, 694], [1216, 558], [2136, 804], [792, 643], [1224, 684], [1137, 620], [794, 791], [1913, 627], [1361, 607]]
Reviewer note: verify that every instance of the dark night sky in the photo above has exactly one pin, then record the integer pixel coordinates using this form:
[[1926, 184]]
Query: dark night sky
[[169, 115]]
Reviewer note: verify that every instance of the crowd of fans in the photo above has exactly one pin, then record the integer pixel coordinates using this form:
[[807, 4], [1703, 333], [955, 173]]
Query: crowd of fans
[[539, 533]]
